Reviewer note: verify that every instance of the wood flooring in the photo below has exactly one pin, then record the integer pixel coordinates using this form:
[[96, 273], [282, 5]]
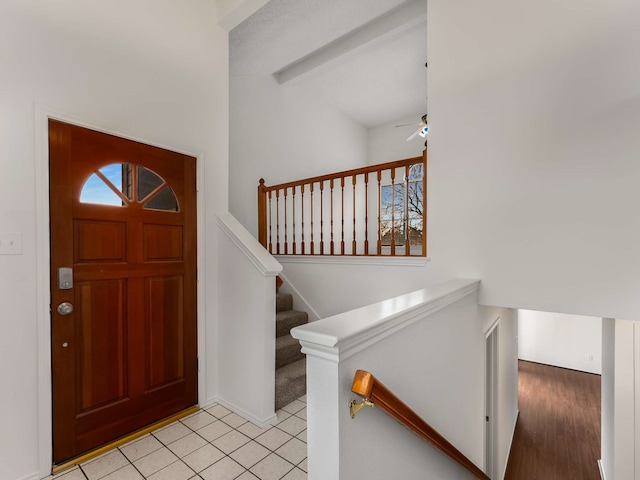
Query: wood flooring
[[557, 436]]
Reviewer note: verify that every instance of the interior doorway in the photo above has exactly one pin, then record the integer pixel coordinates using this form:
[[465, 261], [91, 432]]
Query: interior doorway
[[558, 434], [491, 399]]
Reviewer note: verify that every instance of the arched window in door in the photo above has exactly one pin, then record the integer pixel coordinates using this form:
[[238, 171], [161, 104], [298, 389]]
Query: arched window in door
[[125, 184]]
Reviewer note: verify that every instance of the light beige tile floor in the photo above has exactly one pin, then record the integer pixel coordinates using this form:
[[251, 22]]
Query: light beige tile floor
[[213, 444]]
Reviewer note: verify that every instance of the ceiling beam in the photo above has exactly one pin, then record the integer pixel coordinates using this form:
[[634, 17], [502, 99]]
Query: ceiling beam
[[397, 21]]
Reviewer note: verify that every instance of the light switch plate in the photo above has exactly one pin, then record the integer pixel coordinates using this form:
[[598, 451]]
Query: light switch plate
[[10, 243]]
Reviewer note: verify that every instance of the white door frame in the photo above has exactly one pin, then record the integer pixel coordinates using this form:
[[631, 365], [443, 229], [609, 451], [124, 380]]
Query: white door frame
[[45, 413], [492, 338]]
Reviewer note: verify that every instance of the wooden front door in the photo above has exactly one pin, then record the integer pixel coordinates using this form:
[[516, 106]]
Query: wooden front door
[[123, 323]]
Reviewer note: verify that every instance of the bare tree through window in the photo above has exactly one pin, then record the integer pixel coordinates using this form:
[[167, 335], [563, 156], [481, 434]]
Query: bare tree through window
[[402, 211]]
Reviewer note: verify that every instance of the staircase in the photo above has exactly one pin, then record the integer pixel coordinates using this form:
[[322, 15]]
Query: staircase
[[291, 368]]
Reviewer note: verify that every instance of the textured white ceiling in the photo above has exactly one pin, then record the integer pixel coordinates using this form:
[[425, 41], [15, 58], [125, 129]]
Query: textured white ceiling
[[377, 81]]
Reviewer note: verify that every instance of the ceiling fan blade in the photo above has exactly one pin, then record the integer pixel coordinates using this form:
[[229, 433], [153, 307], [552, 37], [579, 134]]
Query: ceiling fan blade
[[413, 135]]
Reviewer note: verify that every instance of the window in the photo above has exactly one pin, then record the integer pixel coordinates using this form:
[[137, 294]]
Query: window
[[114, 185], [401, 212]]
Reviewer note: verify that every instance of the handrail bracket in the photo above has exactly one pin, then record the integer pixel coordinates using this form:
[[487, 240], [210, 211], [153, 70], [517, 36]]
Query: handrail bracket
[[355, 407]]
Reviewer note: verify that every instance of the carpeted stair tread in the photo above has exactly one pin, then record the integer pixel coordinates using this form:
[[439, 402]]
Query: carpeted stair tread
[[288, 350], [291, 366], [285, 321], [291, 383], [284, 302]]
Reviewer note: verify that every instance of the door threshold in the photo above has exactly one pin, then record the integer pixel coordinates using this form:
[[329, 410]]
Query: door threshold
[[56, 469]]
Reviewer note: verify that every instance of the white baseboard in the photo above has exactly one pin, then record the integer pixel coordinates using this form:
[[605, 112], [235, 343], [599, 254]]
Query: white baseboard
[[602, 475], [262, 423]]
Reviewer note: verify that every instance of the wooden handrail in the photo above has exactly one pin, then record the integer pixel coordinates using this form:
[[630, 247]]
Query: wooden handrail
[[374, 392], [347, 173], [291, 220]]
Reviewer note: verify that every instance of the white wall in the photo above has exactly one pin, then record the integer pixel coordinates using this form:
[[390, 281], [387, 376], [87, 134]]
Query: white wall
[[154, 70], [244, 343], [568, 341], [283, 134], [389, 142], [233, 12], [332, 286], [430, 360], [626, 400], [535, 118]]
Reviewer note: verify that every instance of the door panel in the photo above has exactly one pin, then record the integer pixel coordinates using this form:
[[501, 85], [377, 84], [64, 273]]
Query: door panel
[[101, 336], [100, 241], [123, 217], [164, 324], [162, 242]]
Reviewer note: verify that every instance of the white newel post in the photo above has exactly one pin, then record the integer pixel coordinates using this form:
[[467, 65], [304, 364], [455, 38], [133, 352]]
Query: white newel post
[[323, 409]]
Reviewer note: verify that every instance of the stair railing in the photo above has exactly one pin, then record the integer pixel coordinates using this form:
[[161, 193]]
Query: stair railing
[[375, 393], [335, 214]]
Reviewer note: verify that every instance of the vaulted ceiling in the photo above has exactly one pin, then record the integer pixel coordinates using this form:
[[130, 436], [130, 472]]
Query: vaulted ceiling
[[365, 57]]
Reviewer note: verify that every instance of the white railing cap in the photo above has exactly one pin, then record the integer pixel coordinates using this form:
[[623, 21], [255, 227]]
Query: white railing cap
[[248, 245], [351, 331]]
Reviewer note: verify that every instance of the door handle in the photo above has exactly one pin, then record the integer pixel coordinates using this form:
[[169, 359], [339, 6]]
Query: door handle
[[65, 308]]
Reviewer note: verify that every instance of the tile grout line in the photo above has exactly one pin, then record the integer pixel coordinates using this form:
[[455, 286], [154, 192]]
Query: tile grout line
[[294, 466], [197, 475], [180, 458], [247, 469]]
